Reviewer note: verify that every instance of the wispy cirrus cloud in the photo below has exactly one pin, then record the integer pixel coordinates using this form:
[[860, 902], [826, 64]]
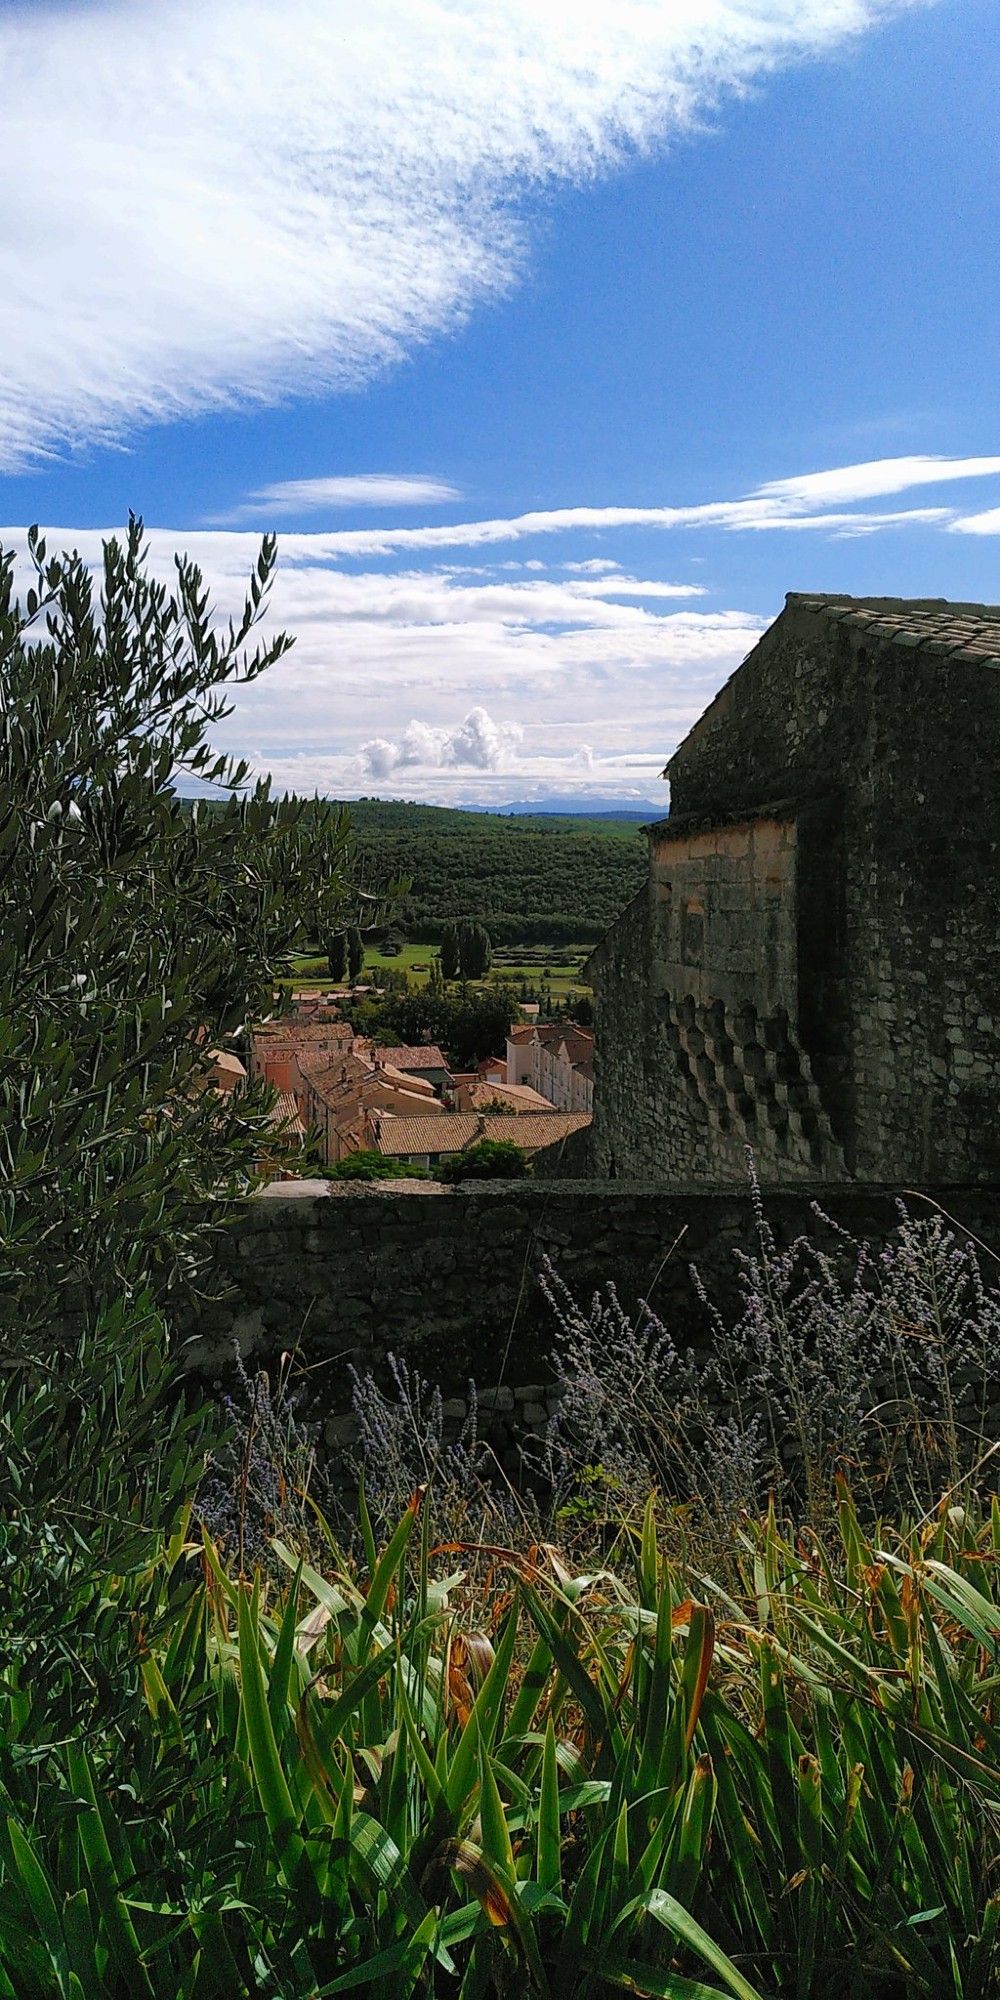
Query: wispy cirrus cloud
[[469, 675], [248, 199], [357, 489], [875, 479], [810, 502]]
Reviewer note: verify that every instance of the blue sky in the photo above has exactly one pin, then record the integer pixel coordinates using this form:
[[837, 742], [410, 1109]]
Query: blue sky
[[721, 273]]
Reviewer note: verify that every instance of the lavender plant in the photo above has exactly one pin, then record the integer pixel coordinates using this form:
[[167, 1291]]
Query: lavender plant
[[403, 1443], [881, 1366], [259, 1482]]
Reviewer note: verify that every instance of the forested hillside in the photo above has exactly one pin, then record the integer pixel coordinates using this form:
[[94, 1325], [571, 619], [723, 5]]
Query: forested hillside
[[539, 879]]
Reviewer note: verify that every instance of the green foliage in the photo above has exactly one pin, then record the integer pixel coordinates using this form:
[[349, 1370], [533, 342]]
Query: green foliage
[[545, 879], [355, 954], [487, 1160], [336, 957], [388, 979], [136, 934], [469, 1025], [466, 950], [622, 1786], [369, 1166], [451, 956]]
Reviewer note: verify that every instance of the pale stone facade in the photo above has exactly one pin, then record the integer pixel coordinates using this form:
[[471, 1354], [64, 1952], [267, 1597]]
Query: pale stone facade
[[556, 1059]]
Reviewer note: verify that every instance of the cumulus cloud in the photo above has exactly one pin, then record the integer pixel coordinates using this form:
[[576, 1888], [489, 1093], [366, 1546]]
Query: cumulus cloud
[[478, 743], [251, 198], [359, 489], [594, 672]]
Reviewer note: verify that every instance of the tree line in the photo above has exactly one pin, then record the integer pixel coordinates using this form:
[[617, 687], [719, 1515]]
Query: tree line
[[557, 881]]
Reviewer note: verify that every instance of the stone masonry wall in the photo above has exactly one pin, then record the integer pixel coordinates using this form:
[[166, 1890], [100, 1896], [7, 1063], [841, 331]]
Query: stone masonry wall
[[881, 760], [449, 1279]]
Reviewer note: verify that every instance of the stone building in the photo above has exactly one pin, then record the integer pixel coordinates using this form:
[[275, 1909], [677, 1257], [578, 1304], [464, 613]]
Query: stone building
[[812, 967], [557, 1059]]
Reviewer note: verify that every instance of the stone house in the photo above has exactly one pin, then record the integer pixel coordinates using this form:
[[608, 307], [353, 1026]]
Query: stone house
[[812, 966], [276, 1045], [423, 1059], [556, 1058], [423, 1141], [478, 1094], [225, 1072], [337, 1095]]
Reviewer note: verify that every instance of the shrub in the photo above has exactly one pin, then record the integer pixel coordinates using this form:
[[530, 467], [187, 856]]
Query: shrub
[[262, 1479], [336, 957], [884, 1366], [402, 1445], [487, 1160], [137, 930], [367, 1165]]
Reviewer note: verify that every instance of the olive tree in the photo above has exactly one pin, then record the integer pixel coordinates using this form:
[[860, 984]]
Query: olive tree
[[137, 932]]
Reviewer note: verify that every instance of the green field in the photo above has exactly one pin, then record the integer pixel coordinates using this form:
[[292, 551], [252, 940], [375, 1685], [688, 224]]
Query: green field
[[558, 967]]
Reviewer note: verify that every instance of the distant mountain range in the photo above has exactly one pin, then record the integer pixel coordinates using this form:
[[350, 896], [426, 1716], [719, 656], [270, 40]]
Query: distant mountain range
[[577, 806]]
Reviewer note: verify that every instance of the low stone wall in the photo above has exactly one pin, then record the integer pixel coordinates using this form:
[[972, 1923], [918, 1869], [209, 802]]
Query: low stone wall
[[448, 1279]]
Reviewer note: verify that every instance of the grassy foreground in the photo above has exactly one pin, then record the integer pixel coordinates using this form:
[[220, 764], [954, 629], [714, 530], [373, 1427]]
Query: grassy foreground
[[624, 1781]]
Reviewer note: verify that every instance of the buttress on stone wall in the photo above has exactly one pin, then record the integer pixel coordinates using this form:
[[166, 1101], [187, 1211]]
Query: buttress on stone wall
[[812, 968]]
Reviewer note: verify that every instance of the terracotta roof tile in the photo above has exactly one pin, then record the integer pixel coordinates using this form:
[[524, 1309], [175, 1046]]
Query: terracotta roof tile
[[449, 1134], [423, 1056], [520, 1096], [223, 1060], [533, 1129], [286, 1116]]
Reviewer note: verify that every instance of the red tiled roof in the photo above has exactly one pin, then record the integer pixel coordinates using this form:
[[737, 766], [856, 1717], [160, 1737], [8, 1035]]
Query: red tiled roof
[[406, 1080], [424, 1056], [579, 1041], [533, 1129], [287, 1029], [330, 1073], [520, 1096], [286, 1116], [447, 1133], [398, 1137], [223, 1060]]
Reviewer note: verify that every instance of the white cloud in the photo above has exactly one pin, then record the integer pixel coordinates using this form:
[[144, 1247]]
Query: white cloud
[[230, 200], [533, 668], [756, 513], [359, 489], [874, 479], [591, 664], [987, 523], [478, 743]]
